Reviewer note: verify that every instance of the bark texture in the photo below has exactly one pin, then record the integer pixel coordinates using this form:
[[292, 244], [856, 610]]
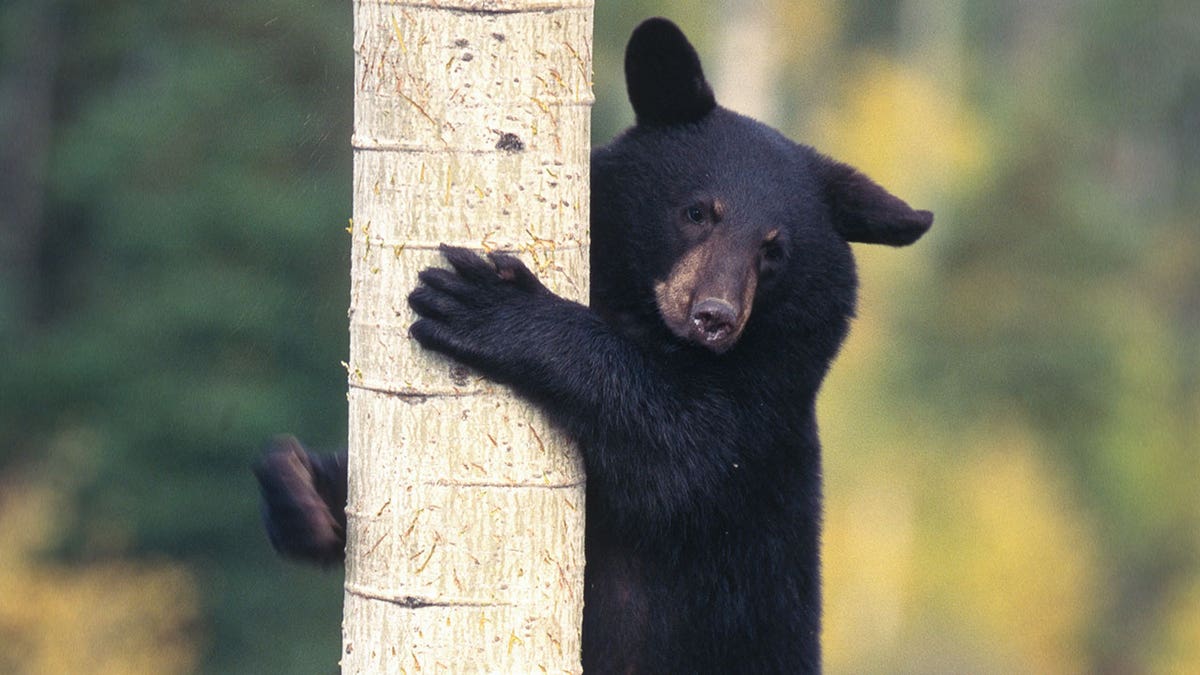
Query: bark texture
[[465, 509]]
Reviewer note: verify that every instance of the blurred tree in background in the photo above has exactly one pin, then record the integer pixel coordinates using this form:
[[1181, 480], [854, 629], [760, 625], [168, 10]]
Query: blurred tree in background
[[1012, 434], [173, 292]]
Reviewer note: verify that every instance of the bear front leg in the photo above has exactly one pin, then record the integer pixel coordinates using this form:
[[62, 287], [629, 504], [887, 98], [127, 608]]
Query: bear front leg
[[661, 448], [492, 315]]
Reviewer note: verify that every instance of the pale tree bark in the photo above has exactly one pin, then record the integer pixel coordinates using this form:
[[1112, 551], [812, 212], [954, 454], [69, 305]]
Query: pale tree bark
[[465, 542]]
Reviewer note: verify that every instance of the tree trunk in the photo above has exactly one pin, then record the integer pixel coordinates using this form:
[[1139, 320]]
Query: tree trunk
[[747, 72], [465, 510]]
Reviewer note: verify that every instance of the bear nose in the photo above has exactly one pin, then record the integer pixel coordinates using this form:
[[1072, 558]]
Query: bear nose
[[713, 318]]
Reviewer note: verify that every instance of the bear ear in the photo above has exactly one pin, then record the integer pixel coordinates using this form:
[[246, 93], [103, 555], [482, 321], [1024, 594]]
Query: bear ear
[[863, 211], [663, 75]]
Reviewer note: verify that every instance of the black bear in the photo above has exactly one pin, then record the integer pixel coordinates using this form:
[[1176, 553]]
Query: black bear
[[722, 287]]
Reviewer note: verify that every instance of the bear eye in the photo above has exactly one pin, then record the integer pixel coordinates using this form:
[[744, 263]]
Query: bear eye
[[771, 252], [695, 213]]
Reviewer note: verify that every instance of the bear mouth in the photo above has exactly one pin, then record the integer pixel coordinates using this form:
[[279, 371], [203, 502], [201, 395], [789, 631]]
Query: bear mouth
[[717, 334], [713, 323], [711, 336]]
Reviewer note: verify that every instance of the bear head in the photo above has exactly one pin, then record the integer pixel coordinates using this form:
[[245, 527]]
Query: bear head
[[708, 222]]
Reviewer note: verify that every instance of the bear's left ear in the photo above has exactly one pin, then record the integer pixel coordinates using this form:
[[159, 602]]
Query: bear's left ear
[[863, 211], [663, 75]]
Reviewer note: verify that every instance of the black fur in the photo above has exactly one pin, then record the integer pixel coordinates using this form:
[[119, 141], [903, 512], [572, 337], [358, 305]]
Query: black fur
[[662, 72], [304, 501], [703, 464]]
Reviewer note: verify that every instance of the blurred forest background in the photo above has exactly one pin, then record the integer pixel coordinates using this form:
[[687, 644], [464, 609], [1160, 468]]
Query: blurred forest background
[[1012, 434]]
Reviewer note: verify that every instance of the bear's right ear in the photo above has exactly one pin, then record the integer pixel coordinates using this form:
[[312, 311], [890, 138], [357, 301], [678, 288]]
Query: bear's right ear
[[662, 72], [863, 211]]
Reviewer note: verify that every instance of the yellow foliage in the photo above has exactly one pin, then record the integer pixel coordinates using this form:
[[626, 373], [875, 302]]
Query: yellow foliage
[[1015, 563], [903, 129], [979, 556], [109, 617], [869, 570], [1178, 649], [819, 22]]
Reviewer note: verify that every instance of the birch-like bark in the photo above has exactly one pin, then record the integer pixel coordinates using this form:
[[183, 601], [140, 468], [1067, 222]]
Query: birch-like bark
[[465, 511]]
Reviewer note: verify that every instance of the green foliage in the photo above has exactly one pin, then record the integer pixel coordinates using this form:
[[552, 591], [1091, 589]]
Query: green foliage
[[1078, 332], [190, 288], [1031, 369]]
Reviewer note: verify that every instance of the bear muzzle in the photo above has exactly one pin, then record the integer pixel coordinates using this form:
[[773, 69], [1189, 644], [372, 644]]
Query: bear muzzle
[[713, 320], [707, 296]]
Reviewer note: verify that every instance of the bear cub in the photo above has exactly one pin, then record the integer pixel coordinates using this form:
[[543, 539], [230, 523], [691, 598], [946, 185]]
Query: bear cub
[[723, 285]]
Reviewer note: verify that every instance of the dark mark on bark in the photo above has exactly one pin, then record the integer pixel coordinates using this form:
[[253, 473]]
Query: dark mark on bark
[[510, 143]]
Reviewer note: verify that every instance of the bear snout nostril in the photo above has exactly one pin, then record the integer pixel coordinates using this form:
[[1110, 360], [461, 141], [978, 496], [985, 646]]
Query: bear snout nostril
[[714, 319]]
